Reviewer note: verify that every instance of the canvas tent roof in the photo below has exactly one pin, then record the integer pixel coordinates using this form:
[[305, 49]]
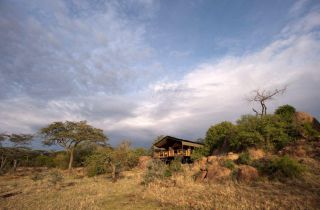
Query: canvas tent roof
[[167, 139]]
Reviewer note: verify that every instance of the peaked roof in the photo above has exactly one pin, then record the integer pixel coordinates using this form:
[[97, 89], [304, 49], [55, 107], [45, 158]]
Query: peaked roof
[[162, 141]]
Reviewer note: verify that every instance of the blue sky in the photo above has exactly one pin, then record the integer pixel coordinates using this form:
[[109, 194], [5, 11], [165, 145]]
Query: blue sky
[[143, 68]]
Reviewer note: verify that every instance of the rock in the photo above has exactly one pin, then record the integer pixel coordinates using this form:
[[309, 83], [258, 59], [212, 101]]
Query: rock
[[217, 173], [294, 150], [247, 173], [303, 117], [203, 163], [212, 158], [232, 156], [201, 176], [256, 154], [143, 161]]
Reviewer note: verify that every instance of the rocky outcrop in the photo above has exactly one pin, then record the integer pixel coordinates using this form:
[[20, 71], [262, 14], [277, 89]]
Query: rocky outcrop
[[216, 172], [303, 117], [232, 156], [256, 154], [247, 173]]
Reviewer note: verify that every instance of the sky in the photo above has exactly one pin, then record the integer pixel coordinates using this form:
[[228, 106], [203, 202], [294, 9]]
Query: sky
[[142, 68]]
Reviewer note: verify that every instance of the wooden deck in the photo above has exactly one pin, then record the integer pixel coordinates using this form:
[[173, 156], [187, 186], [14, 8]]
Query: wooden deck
[[173, 153]]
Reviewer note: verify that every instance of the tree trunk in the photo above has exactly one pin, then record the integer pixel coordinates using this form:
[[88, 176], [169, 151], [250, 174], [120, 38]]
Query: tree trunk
[[71, 159], [113, 166], [14, 165], [3, 162]]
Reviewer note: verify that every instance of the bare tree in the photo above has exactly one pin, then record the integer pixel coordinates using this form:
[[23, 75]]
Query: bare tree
[[262, 96]]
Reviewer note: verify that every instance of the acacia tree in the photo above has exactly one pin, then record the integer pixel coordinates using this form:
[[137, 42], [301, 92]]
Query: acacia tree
[[70, 134], [262, 96], [13, 154]]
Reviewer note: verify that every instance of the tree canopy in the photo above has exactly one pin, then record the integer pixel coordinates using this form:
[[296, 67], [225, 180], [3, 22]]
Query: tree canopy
[[70, 134]]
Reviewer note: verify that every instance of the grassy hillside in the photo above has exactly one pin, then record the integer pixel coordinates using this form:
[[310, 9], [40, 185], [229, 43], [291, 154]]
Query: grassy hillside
[[52, 189]]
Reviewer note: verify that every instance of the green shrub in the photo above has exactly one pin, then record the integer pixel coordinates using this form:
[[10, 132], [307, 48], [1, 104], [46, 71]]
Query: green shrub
[[228, 164], [309, 130], [286, 112], [82, 151], [43, 160], [280, 167], [95, 165], [270, 132], [198, 153], [61, 160], [175, 165], [167, 173], [156, 169], [219, 135], [246, 139], [244, 158]]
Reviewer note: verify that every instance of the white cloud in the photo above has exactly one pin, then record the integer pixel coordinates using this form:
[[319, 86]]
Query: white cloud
[[103, 57], [298, 6], [216, 91]]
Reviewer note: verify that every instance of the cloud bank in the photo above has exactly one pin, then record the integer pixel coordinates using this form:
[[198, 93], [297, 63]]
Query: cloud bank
[[79, 61]]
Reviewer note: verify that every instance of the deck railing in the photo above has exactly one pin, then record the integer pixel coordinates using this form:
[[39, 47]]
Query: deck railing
[[172, 153]]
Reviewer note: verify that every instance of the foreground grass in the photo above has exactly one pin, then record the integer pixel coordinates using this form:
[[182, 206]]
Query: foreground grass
[[74, 193], [180, 192]]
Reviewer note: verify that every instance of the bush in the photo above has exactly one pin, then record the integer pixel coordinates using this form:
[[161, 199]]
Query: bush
[[286, 112], [96, 164], [228, 164], [198, 153], [156, 169], [270, 132], [175, 165], [43, 160], [309, 130], [219, 136], [280, 167], [82, 151], [244, 158], [61, 160]]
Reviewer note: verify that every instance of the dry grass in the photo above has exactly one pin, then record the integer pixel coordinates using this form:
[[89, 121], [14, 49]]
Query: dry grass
[[186, 194], [181, 192], [74, 192]]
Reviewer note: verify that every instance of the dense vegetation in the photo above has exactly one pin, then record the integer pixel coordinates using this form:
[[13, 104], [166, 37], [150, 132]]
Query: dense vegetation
[[270, 132]]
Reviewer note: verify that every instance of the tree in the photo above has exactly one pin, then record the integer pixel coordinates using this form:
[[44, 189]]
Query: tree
[[70, 134], [219, 137], [112, 160], [17, 140], [262, 96], [20, 139], [3, 137], [286, 112]]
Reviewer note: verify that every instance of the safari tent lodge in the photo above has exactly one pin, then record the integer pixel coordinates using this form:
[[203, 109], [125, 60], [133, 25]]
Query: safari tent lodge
[[168, 147]]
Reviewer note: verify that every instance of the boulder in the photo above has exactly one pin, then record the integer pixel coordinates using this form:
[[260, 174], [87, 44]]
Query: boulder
[[143, 161], [200, 176], [303, 117], [217, 173], [294, 150], [203, 163], [256, 154], [212, 159], [232, 156], [247, 173]]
